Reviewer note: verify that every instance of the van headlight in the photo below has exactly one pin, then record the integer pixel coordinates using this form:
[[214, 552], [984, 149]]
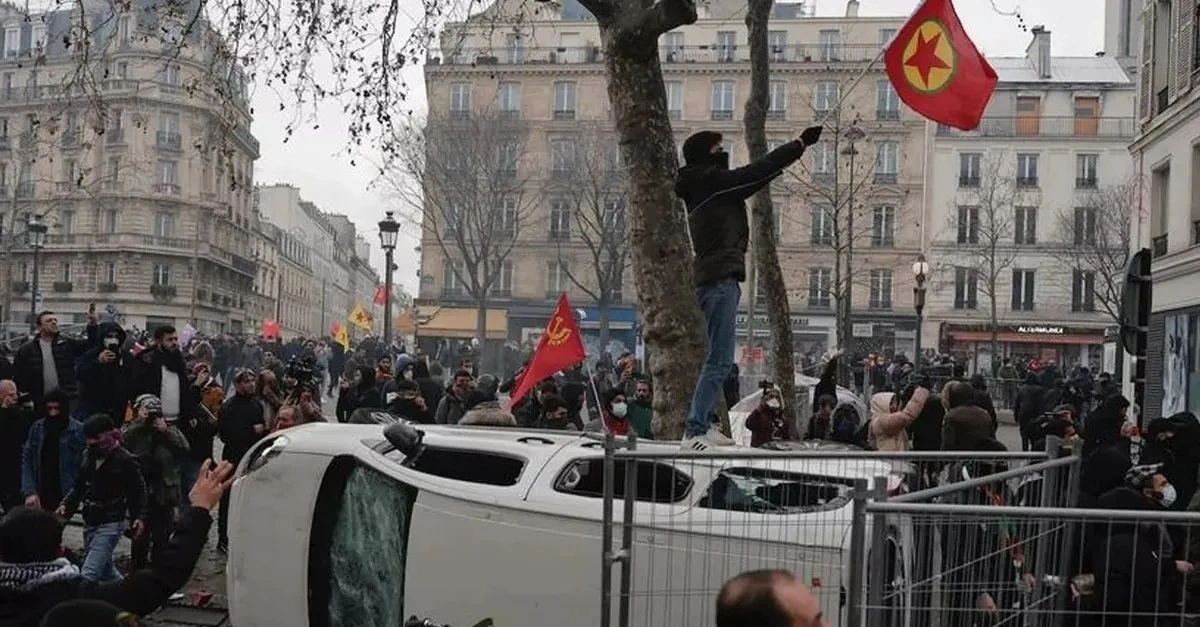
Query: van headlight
[[264, 453]]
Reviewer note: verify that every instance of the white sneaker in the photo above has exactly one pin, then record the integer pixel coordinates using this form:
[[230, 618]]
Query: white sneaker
[[704, 442]]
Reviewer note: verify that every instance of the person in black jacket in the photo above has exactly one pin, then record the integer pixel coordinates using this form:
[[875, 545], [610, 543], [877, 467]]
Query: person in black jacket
[[15, 421], [108, 485], [161, 372], [34, 580], [33, 376], [104, 375], [715, 197], [1027, 407], [241, 426]]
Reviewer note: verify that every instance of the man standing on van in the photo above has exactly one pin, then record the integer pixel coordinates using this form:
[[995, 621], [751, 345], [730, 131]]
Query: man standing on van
[[720, 230]]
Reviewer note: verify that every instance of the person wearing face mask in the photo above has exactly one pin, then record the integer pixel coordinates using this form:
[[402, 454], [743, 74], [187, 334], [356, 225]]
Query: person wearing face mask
[[52, 453], [767, 423], [641, 409], [1127, 556], [715, 196], [614, 414], [453, 405], [1111, 446], [103, 375], [110, 489]]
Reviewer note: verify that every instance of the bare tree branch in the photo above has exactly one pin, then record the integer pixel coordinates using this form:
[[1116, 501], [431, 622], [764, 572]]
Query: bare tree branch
[[1094, 237]]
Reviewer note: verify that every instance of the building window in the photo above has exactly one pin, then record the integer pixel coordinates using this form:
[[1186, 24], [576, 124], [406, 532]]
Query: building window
[[883, 226], [822, 226], [12, 41], [164, 224], [1025, 226], [824, 159], [509, 95], [71, 174], [722, 100], [66, 221], [507, 156], [514, 46], [674, 99], [887, 162], [171, 75], [1083, 291], [162, 274], [113, 169], [451, 286], [777, 100], [881, 289], [777, 44], [830, 45], [968, 225], [1022, 290], [110, 272], [826, 96], [819, 283], [886, 35], [1029, 115], [887, 102], [110, 221], [37, 38], [560, 220], [966, 288], [564, 100], [168, 173], [1085, 226], [504, 218], [968, 169], [562, 157], [460, 99], [670, 47], [1027, 170], [504, 280], [726, 46], [65, 275], [556, 277], [1087, 115], [1086, 169]]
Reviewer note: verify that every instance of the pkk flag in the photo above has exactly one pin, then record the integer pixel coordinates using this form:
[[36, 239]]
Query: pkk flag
[[561, 347], [380, 295], [334, 328], [936, 69], [342, 337], [360, 318]]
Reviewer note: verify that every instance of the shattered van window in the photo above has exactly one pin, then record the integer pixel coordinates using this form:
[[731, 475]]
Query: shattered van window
[[367, 556]]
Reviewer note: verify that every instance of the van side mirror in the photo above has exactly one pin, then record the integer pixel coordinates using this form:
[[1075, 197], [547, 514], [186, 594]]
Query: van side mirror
[[406, 438]]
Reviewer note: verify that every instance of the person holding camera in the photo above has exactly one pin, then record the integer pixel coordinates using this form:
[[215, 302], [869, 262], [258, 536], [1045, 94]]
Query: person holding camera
[[160, 448], [104, 376]]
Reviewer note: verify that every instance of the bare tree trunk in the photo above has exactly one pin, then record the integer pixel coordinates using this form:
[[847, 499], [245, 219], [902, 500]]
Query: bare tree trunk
[[662, 255], [481, 310], [995, 324], [766, 255], [605, 323]]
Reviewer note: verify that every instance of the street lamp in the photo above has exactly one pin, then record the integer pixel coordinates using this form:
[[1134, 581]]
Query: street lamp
[[388, 230], [920, 270], [35, 237]]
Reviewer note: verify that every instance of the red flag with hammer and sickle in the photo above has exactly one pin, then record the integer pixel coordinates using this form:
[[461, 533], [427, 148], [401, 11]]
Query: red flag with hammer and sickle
[[561, 347]]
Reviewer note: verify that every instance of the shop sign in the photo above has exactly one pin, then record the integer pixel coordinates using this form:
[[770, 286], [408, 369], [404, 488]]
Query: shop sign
[[762, 320], [1040, 330], [863, 329]]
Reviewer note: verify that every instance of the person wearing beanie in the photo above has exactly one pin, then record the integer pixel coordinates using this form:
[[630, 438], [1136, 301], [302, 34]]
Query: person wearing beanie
[[159, 448], [111, 490], [715, 197]]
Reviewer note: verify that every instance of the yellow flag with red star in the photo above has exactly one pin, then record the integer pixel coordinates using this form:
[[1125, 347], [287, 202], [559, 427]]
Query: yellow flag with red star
[[360, 318]]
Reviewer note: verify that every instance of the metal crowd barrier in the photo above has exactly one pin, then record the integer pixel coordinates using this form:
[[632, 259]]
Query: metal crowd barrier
[[678, 524]]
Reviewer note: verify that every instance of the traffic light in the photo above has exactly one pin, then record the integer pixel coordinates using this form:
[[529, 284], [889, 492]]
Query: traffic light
[[1136, 300]]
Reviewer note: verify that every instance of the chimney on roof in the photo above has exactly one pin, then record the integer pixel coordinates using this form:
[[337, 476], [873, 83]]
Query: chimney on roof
[[1038, 51], [852, 8]]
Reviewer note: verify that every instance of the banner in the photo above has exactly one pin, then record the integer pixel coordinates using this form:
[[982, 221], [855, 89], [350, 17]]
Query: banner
[[560, 347], [360, 318]]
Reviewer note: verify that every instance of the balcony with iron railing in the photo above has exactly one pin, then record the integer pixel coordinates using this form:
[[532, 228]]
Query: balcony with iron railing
[[1085, 182], [714, 53], [1048, 126], [167, 140]]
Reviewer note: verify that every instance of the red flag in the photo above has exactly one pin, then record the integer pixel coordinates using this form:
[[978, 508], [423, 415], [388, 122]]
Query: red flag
[[561, 346], [270, 330], [936, 69], [334, 329], [380, 295]]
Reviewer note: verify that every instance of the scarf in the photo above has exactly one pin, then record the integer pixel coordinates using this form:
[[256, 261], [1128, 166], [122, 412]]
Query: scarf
[[109, 441], [28, 577]]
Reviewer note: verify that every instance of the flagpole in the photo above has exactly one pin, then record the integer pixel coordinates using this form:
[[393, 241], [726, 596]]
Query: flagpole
[[587, 371]]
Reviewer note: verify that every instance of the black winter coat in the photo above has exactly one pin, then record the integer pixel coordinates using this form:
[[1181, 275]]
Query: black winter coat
[[27, 365], [239, 414], [145, 377], [109, 490], [141, 592], [14, 428], [716, 203], [103, 388]]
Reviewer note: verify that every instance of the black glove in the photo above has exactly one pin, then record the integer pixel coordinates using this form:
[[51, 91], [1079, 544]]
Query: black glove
[[810, 136], [923, 381]]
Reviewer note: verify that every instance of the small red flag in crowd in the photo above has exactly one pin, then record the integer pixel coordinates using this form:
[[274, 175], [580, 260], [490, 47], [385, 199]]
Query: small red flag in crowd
[[936, 69], [561, 347], [380, 295]]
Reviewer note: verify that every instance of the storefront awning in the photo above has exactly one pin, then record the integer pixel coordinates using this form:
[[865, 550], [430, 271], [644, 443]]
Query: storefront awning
[[1073, 339], [459, 323]]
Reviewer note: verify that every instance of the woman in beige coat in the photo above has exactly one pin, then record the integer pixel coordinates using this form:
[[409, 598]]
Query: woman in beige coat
[[889, 422]]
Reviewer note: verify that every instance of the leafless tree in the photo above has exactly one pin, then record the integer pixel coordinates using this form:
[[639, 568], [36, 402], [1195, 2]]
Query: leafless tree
[[844, 178], [1093, 240], [464, 177], [766, 253], [589, 215], [982, 227]]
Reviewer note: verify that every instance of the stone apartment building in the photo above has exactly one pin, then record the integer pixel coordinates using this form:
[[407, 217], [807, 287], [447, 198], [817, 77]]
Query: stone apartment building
[[543, 73]]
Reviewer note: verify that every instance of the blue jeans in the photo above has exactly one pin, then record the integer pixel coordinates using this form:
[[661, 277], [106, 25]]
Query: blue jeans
[[188, 471], [99, 542], [719, 303]]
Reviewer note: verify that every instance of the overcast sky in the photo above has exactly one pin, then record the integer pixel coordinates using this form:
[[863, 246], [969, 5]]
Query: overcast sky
[[313, 159]]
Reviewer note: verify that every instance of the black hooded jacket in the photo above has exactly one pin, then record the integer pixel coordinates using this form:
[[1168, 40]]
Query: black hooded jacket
[[715, 197], [103, 388]]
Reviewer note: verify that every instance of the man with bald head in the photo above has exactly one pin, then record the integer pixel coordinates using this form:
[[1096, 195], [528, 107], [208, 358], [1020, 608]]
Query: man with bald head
[[14, 428], [767, 598]]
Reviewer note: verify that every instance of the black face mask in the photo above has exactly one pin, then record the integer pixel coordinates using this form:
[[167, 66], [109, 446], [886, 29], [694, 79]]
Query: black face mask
[[718, 159]]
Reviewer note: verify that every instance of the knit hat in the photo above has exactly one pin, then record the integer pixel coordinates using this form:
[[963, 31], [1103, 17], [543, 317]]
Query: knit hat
[[1139, 476], [150, 403]]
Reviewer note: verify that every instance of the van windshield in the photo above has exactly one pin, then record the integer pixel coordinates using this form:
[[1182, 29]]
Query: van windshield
[[762, 491]]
